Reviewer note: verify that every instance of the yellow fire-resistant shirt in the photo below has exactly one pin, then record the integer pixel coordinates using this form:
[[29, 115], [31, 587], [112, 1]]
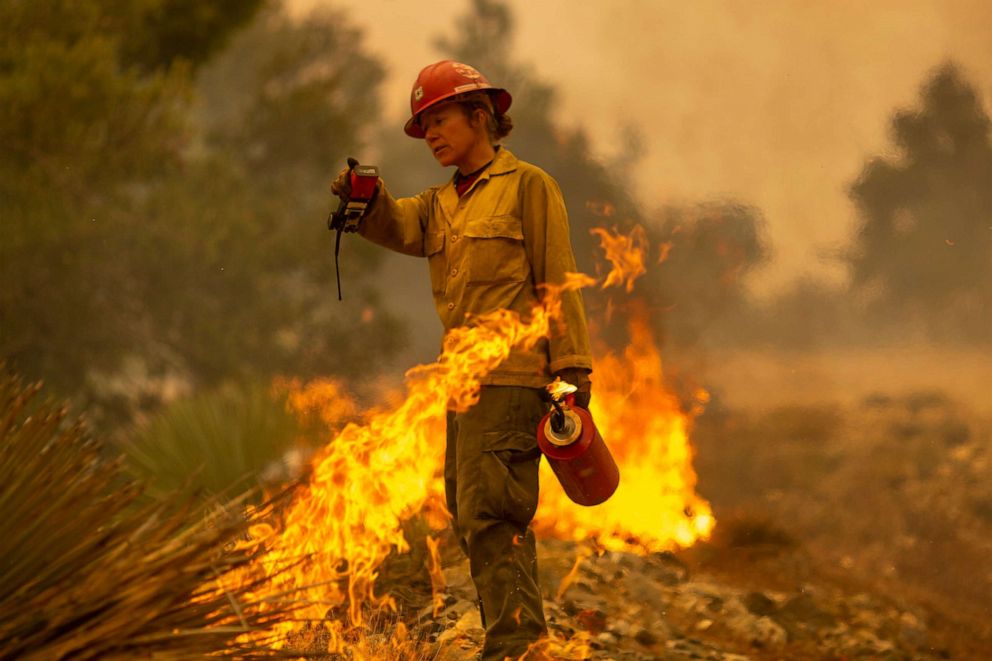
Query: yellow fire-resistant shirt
[[489, 250]]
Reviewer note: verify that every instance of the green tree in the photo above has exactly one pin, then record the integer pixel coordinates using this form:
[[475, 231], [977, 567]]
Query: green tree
[[255, 294], [923, 248], [137, 225], [81, 129], [696, 285]]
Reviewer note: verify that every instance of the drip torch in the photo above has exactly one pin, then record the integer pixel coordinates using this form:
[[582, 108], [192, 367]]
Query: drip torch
[[362, 180], [568, 437]]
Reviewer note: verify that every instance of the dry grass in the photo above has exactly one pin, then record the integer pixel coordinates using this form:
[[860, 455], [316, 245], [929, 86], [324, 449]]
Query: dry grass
[[86, 572], [892, 492]]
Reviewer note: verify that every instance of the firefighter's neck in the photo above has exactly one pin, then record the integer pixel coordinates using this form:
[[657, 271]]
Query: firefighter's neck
[[481, 153]]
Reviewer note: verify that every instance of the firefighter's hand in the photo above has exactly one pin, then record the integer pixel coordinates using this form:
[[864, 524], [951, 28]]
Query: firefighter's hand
[[341, 186], [579, 378]]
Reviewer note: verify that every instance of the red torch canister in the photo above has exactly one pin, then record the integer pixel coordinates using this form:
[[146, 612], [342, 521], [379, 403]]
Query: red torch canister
[[577, 454]]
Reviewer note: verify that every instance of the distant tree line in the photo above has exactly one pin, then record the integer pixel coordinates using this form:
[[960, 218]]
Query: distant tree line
[[923, 249], [920, 256]]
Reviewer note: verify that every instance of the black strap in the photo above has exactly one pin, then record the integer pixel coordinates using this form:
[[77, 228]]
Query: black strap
[[337, 250]]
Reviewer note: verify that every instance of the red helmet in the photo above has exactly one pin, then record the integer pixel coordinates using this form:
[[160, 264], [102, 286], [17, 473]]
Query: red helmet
[[443, 80]]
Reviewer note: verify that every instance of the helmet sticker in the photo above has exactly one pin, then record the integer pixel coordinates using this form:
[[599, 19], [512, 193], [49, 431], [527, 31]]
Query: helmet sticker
[[466, 71], [418, 93]]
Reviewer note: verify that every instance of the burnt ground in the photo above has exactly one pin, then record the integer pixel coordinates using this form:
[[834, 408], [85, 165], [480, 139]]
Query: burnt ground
[[844, 532]]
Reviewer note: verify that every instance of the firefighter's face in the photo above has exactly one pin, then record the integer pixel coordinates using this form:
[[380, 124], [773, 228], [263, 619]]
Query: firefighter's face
[[450, 135]]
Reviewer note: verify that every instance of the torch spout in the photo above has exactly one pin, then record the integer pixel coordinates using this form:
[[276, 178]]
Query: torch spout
[[558, 417]]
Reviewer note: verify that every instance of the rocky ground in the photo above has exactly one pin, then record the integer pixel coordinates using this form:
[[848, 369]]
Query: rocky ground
[[844, 533], [670, 606]]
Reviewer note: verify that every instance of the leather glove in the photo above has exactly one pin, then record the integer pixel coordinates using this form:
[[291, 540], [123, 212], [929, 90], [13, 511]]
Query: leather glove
[[578, 377], [341, 186]]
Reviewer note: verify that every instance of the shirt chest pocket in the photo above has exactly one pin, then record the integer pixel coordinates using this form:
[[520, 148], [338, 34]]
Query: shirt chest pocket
[[433, 245], [495, 253]]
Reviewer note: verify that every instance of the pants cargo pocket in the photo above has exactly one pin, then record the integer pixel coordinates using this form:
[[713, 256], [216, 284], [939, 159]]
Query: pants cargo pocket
[[510, 476]]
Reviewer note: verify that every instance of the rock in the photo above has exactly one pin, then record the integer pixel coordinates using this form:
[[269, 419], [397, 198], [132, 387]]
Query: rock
[[458, 581], [691, 649], [592, 620], [646, 637], [670, 570], [802, 609], [657, 629], [456, 611], [866, 643], [606, 638], [768, 633], [912, 631], [643, 593], [620, 628], [759, 603], [457, 652], [469, 626], [699, 598], [758, 631]]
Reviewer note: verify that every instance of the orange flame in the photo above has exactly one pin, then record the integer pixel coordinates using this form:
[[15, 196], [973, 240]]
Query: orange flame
[[625, 253], [570, 577], [380, 470], [655, 507], [556, 648], [371, 477], [437, 577], [558, 389]]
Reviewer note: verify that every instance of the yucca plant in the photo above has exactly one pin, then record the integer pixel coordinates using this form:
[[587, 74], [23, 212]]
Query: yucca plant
[[87, 571], [215, 444]]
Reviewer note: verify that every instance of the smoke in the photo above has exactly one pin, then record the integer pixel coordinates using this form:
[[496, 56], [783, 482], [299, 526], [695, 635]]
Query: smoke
[[773, 108], [773, 103]]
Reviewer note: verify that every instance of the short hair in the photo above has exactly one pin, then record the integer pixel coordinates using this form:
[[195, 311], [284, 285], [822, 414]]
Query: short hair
[[498, 124]]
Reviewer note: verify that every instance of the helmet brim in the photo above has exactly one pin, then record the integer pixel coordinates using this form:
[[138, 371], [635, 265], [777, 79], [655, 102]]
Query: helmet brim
[[501, 102]]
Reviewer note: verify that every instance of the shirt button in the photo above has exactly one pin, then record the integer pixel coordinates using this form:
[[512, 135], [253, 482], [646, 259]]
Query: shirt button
[[454, 272], [451, 306], [454, 238]]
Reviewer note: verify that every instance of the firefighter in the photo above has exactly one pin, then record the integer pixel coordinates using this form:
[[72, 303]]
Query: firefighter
[[492, 235]]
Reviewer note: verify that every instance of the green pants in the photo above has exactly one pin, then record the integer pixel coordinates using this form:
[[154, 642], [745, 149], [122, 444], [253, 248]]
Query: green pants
[[491, 483]]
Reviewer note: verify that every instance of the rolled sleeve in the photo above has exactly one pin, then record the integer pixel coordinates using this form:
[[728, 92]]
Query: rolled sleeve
[[398, 223]]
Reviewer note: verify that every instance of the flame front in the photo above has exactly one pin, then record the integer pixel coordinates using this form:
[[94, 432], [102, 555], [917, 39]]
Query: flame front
[[626, 254], [655, 507], [325, 551]]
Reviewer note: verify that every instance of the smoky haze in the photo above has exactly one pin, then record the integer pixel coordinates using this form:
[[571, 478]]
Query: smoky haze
[[773, 103], [818, 176], [775, 108]]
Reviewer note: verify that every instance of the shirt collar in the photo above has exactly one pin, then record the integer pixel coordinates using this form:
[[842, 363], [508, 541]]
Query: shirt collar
[[503, 162]]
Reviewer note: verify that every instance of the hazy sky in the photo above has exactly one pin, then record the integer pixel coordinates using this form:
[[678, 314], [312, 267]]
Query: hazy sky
[[776, 103]]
